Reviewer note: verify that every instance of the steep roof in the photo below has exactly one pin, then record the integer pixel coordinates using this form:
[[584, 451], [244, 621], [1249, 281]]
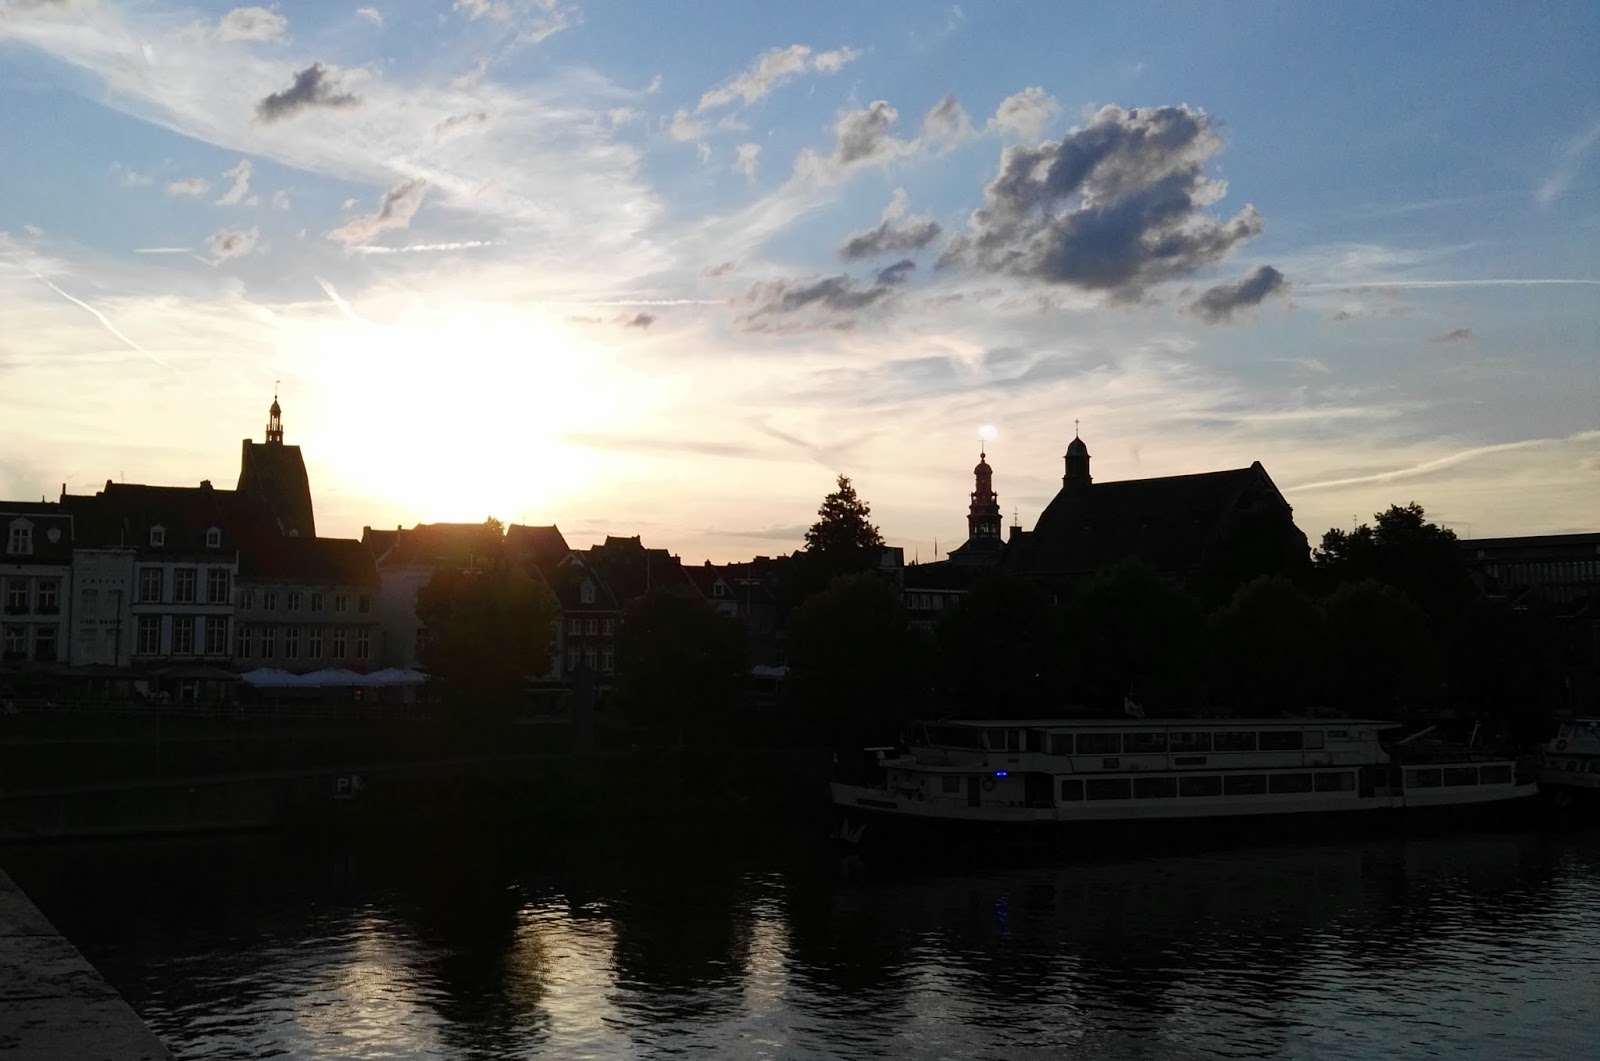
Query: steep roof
[[123, 514], [632, 570], [427, 544], [275, 475], [540, 546], [942, 575], [1168, 522], [46, 518], [312, 561]]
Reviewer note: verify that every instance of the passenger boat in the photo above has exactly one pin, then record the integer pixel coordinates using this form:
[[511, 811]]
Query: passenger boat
[[1569, 768], [1051, 780]]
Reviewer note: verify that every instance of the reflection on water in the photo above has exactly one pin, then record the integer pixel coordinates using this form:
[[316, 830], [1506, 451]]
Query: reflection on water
[[1479, 946]]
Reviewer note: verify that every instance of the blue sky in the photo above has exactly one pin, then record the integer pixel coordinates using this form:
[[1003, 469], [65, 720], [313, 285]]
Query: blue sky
[[667, 268]]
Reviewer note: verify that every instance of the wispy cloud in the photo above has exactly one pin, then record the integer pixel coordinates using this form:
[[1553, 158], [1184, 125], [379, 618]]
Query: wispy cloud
[[1427, 467], [229, 243], [371, 14], [1569, 161], [1455, 335], [238, 193], [1357, 285], [193, 187], [395, 210], [771, 69]]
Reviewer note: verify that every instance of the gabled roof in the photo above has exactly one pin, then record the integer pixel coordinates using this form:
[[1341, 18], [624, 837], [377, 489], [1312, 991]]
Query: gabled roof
[[941, 575], [566, 578], [427, 544], [311, 561], [631, 570], [274, 475], [540, 546], [123, 514]]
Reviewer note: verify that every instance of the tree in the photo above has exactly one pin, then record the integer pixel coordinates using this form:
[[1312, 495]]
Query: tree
[[1132, 633], [1401, 549], [489, 629], [854, 660], [999, 651], [680, 664], [1268, 648], [843, 540], [1381, 653]]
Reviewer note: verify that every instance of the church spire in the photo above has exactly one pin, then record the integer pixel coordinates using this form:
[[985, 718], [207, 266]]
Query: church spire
[[1077, 477], [275, 420], [983, 514]]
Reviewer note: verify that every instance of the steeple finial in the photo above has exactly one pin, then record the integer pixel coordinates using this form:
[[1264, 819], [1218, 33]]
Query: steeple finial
[[275, 417], [1075, 429]]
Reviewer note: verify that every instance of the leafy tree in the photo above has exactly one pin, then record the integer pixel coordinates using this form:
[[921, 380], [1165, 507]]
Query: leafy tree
[[842, 541], [1132, 633], [680, 664], [853, 659], [1401, 549], [1268, 648], [1381, 652], [489, 630], [999, 651]]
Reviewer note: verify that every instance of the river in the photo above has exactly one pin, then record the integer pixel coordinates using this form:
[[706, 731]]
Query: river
[[1480, 946]]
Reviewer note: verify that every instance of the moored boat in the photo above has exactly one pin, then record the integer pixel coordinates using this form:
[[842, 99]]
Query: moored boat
[[1081, 783], [1569, 766]]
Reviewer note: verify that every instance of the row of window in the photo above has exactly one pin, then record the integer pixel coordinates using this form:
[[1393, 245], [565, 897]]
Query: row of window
[[1453, 776], [44, 595], [185, 585], [189, 637], [1556, 572], [605, 659], [287, 642], [295, 600], [1180, 742], [158, 537], [15, 643], [591, 626], [925, 601]]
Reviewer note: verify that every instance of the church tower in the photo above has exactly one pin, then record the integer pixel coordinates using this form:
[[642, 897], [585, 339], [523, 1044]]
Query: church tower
[[1077, 478], [983, 514], [272, 477], [275, 422]]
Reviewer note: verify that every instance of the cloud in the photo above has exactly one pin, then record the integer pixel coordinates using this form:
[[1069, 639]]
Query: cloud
[[1025, 114], [771, 69], [280, 199], [654, 86], [232, 243], [898, 273], [746, 156], [638, 320], [685, 128], [831, 297], [129, 178], [251, 24], [238, 194], [395, 210], [892, 235], [1455, 335], [1568, 163], [1115, 206], [193, 187], [371, 14], [947, 123], [1450, 460], [533, 20], [315, 86], [1219, 303], [459, 122]]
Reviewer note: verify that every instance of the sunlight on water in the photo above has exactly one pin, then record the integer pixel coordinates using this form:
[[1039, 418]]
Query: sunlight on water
[[1468, 946]]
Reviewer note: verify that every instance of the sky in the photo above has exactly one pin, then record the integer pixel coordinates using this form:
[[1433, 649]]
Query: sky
[[667, 269]]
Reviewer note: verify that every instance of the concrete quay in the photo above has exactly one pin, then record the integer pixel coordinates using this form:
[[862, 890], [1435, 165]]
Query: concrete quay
[[53, 1005]]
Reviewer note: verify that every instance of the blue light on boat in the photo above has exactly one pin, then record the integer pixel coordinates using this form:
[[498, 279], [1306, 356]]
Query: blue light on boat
[[1000, 773]]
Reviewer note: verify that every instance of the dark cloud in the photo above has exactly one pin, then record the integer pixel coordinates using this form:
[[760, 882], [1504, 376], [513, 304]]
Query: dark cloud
[[863, 136], [1457, 335], [313, 87], [638, 320], [459, 122], [1115, 206], [1220, 302], [891, 236], [834, 297], [395, 210], [719, 270], [947, 123], [897, 273]]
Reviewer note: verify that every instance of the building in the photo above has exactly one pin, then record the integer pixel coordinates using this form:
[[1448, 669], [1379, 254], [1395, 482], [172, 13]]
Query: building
[[272, 476], [587, 614], [306, 604], [738, 592], [35, 581], [984, 546], [1209, 529], [406, 560]]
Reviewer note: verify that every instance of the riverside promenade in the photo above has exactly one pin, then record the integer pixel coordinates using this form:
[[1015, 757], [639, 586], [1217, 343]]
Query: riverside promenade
[[53, 1005]]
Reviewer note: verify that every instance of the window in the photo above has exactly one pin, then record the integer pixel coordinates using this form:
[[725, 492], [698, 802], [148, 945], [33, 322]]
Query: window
[[150, 584], [1423, 778], [363, 604], [363, 643], [589, 657], [1144, 743], [183, 580], [1285, 784], [291, 642], [247, 600], [338, 641], [718, 589], [1455, 776], [586, 592], [950, 784], [183, 635], [269, 642], [20, 541], [149, 636], [158, 536], [269, 601], [572, 659], [1343, 781], [1314, 740], [88, 603], [608, 659], [341, 602], [1233, 741], [1155, 788], [1099, 744], [1281, 740], [1245, 784], [216, 635], [49, 596], [44, 644], [1108, 788], [316, 602], [611, 627], [1187, 743], [295, 599], [1494, 775], [16, 642], [217, 585], [314, 643], [213, 538], [1200, 786], [16, 596], [1071, 791], [591, 626], [1060, 744], [241, 641]]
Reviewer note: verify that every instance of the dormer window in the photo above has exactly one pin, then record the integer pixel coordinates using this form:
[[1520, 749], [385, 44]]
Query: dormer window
[[158, 536], [19, 542], [586, 592], [213, 538], [718, 589]]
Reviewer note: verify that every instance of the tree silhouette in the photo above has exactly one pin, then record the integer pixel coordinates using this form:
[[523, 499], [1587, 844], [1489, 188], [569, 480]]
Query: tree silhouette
[[999, 651], [854, 659], [489, 628], [1268, 648], [680, 664], [1131, 632], [844, 539], [1401, 549], [1381, 652]]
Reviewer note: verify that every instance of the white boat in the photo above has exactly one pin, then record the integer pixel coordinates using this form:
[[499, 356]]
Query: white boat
[[1569, 768], [1041, 779]]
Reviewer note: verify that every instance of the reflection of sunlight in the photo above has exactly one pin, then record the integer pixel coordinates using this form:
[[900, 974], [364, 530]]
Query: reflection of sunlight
[[371, 999], [575, 958]]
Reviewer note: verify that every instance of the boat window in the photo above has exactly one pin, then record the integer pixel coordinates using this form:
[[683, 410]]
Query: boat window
[[1191, 741], [1210, 785], [1071, 791], [1342, 781], [1338, 734], [1245, 784], [996, 739], [1314, 739], [954, 737], [1281, 740], [1423, 778], [1232, 740], [1060, 744], [1460, 775], [1494, 775], [1155, 788], [1099, 743], [950, 784], [1108, 788], [1144, 743], [1286, 783], [1188, 760]]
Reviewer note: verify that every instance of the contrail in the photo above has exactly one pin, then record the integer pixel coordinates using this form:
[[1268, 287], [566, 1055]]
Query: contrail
[[1443, 462], [101, 317], [639, 302], [338, 300], [1448, 283], [416, 247]]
